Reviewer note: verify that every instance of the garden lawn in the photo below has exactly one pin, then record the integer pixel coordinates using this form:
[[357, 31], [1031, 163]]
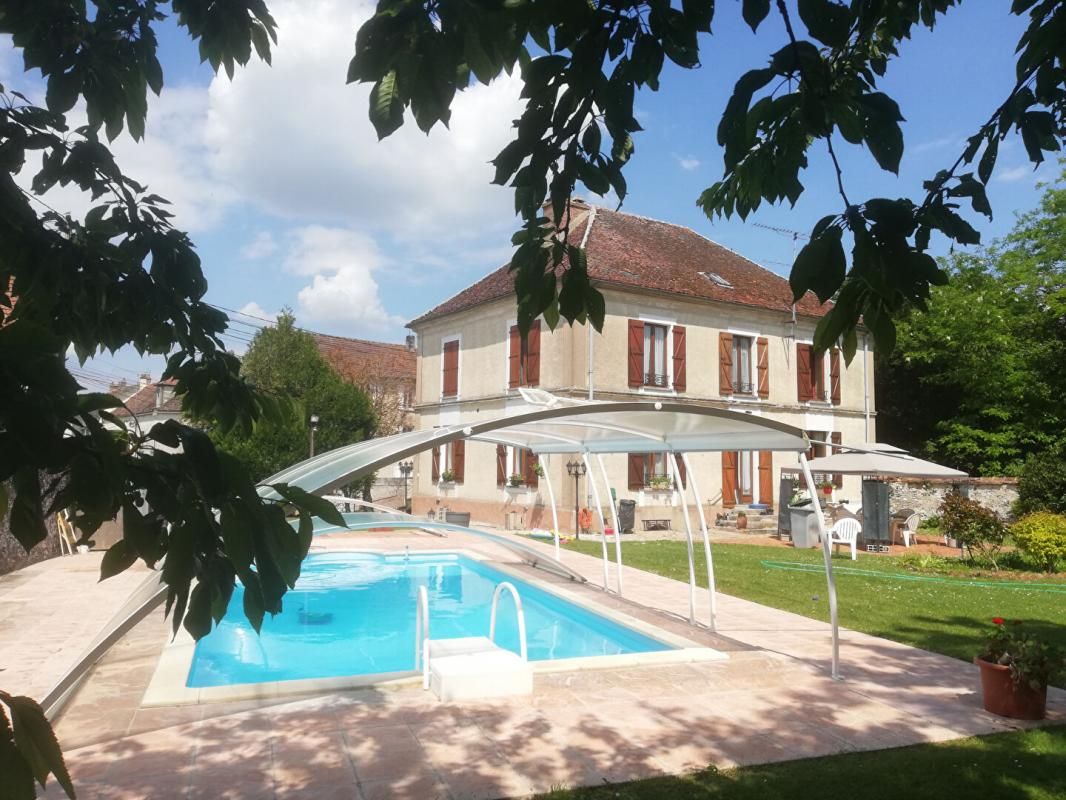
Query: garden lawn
[[1027, 765], [944, 614]]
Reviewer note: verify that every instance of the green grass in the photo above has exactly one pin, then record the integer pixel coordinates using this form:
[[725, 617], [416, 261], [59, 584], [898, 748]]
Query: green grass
[[945, 614], [1027, 765]]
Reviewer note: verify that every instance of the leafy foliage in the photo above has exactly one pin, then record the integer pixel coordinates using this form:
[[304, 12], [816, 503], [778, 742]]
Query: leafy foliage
[[1042, 536], [978, 380], [285, 361], [28, 748], [977, 529], [1042, 484], [582, 63], [1032, 661]]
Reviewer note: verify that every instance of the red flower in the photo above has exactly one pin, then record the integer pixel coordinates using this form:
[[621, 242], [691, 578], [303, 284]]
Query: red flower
[[998, 620]]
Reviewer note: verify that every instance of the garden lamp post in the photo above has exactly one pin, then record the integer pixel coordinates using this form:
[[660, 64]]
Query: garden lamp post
[[405, 472], [576, 469], [314, 427]]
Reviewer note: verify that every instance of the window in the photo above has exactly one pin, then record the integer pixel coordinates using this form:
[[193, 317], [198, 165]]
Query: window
[[449, 462], [818, 375], [656, 371], [523, 357], [450, 368], [652, 470], [742, 377]]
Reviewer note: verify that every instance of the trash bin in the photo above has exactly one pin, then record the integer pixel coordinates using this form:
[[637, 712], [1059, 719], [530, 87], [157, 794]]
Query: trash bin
[[627, 515]]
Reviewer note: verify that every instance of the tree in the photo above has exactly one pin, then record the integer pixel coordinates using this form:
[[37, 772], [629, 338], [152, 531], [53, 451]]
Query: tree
[[581, 64], [285, 361], [978, 380]]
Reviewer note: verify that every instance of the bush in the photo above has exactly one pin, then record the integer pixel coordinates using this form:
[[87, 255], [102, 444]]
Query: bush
[[930, 523], [978, 530], [1042, 484], [1042, 536]]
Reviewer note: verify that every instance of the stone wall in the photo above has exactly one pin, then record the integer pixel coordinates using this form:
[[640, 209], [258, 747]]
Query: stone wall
[[924, 496], [13, 557]]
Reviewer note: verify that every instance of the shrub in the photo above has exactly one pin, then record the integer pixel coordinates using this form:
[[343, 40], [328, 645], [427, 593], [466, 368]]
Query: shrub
[[977, 529], [1042, 484], [1042, 536], [931, 522]]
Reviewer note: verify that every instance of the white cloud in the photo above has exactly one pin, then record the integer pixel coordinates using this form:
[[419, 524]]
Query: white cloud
[[688, 163], [1014, 174], [261, 246], [253, 309], [343, 292]]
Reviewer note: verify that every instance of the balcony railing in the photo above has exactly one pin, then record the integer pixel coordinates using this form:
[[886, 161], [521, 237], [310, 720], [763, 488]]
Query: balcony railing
[[743, 387], [656, 380]]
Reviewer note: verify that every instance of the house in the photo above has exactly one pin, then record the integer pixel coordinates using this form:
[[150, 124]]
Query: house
[[687, 319], [147, 403]]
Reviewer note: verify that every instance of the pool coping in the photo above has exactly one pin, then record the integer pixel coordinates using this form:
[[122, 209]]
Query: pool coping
[[167, 685]]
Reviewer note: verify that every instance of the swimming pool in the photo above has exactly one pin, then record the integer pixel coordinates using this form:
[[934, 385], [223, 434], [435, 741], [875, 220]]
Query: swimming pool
[[354, 614]]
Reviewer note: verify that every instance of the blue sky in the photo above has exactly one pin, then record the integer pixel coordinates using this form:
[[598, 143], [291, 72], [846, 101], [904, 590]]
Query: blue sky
[[292, 201]]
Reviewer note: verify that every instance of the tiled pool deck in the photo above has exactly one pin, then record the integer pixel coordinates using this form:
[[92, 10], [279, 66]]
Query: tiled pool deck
[[772, 700]]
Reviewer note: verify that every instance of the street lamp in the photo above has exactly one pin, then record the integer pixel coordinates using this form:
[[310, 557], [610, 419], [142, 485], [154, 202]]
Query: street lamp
[[405, 471], [314, 427], [575, 469]]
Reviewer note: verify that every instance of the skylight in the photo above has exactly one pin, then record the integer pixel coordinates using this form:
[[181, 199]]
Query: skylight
[[717, 279]]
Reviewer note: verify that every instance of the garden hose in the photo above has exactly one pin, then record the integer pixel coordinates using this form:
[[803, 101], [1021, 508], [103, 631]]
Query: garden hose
[[1049, 588]]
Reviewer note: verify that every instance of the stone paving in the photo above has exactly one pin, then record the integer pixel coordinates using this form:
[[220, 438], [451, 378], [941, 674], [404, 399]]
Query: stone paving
[[772, 700]]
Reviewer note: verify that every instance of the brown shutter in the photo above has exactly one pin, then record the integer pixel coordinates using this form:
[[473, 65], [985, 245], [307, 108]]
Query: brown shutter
[[725, 363], [682, 472], [514, 357], [804, 357], [529, 469], [834, 376], [532, 364], [729, 478], [435, 470], [636, 471], [450, 375], [501, 465], [766, 477], [762, 365], [838, 479], [680, 378], [459, 459], [636, 353]]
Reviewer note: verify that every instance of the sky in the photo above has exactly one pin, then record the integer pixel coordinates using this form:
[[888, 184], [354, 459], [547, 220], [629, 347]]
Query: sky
[[278, 176]]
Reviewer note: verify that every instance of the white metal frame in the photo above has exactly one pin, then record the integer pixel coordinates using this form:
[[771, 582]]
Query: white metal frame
[[688, 540], [422, 634], [500, 589], [711, 588], [551, 499], [591, 477], [617, 529], [827, 557]]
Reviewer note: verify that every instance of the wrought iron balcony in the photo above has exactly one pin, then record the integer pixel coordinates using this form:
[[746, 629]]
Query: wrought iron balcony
[[659, 381]]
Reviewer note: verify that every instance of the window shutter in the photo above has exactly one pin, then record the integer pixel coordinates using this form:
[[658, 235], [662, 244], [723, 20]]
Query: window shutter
[[532, 376], [636, 471], [725, 363], [682, 472], [804, 385], [450, 373], [762, 365], [501, 465], [729, 478], [680, 379], [766, 477], [636, 353], [838, 479], [834, 376], [436, 464], [529, 469], [514, 357], [459, 459]]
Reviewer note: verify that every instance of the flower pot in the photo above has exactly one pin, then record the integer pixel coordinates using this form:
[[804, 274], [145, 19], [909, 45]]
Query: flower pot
[[1004, 697], [742, 523]]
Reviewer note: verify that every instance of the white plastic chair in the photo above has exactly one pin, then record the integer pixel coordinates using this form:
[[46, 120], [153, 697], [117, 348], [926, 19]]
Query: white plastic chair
[[910, 529], [846, 531]]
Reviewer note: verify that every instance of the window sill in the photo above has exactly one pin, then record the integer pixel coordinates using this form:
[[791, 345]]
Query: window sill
[[657, 390]]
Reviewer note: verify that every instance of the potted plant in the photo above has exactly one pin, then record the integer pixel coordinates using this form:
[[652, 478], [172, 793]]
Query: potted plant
[[826, 487], [742, 520], [1015, 668], [659, 483], [515, 481], [538, 469], [448, 476]]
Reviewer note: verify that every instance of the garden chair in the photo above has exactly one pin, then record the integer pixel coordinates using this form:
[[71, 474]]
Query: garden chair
[[910, 529], [846, 531]]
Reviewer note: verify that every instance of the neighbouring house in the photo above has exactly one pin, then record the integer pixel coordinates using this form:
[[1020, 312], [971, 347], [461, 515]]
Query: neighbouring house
[[687, 319], [147, 403]]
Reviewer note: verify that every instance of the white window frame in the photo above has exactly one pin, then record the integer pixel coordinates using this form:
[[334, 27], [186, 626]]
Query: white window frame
[[669, 324], [457, 337], [827, 394], [753, 367]]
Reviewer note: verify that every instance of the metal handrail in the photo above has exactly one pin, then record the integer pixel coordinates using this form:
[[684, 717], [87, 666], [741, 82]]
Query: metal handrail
[[422, 634], [521, 616]]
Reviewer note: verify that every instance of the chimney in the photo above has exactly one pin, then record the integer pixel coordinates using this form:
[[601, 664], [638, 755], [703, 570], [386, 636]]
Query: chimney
[[145, 379], [410, 342]]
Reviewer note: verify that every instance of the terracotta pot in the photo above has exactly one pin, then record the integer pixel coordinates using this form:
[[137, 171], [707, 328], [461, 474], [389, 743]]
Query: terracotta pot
[[1003, 697], [742, 523]]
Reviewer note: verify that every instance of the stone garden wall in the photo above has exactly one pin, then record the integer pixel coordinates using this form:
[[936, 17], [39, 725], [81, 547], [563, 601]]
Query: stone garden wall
[[13, 557], [924, 496]]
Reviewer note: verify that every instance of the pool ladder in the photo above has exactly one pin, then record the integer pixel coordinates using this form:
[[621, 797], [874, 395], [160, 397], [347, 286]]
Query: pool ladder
[[473, 666]]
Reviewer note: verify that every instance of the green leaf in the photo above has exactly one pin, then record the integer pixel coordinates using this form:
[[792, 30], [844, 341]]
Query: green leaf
[[237, 537], [118, 558], [323, 509], [63, 91], [820, 266], [36, 741], [754, 12], [386, 107], [198, 617], [828, 22]]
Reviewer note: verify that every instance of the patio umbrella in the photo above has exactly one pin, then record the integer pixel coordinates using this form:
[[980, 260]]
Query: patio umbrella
[[880, 460]]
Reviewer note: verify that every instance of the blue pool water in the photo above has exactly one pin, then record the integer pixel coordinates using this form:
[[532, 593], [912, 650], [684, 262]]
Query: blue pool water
[[354, 614]]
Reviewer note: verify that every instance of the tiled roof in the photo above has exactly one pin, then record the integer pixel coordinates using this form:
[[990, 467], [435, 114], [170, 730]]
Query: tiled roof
[[361, 359], [143, 402], [642, 254]]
